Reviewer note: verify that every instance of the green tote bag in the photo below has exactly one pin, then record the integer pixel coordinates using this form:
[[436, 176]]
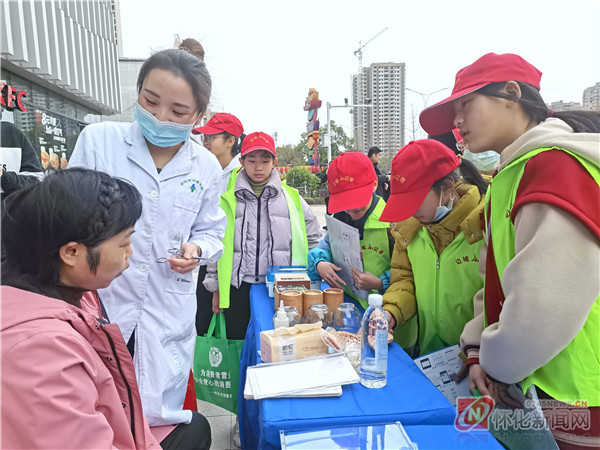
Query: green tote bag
[[217, 366]]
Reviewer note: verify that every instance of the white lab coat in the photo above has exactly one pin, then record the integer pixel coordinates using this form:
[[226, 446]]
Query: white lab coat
[[234, 164], [181, 204]]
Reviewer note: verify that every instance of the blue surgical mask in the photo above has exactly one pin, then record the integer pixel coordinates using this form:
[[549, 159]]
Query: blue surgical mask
[[484, 161], [161, 134], [442, 211]]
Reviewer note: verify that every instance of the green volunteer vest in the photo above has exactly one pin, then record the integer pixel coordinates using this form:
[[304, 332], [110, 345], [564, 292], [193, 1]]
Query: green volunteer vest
[[444, 288], [298, 230], [375, 247], [573, 374], [233, 177]]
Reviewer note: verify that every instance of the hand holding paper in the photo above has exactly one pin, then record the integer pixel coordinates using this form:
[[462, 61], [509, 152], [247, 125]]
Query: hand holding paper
[[328, 274], [366, 280], [346, 252], [478, 379]]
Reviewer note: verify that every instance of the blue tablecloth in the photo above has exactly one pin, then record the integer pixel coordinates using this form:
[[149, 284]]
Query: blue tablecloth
[[409, 397]]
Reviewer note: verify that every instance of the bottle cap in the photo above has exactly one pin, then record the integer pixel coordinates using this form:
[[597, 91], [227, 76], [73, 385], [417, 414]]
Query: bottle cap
[[375, 300], [281, 311]]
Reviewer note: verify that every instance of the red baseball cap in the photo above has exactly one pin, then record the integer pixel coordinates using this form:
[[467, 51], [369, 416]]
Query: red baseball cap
[[490, 68], [350, 178], [258, 141], [219, 123], [415, 168]]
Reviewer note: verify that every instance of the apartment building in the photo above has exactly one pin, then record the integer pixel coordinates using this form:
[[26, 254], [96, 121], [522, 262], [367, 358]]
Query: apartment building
[[381, 124]]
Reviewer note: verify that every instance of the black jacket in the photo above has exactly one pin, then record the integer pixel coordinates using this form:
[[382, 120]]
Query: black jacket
[[13, 137], [382, 180]]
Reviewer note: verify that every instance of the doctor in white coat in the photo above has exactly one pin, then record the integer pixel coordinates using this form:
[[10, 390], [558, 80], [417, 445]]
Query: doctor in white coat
[[154, 302]]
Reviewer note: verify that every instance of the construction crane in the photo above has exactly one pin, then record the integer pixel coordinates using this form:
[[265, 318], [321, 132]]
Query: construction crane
[[358, 79], [361, 46]]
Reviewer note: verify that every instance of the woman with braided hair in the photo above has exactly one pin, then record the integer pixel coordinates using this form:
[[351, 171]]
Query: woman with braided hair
[[63, 364], [154, 303]]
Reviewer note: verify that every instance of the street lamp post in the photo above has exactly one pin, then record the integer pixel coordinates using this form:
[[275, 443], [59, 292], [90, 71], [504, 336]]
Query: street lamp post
[[425, 96], [329, 106]]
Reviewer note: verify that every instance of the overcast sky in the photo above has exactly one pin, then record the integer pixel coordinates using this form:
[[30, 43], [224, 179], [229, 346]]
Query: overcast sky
[[264, 56]]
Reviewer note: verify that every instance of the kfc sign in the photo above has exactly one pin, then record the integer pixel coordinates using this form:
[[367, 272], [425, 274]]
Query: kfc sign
[[12, 98]]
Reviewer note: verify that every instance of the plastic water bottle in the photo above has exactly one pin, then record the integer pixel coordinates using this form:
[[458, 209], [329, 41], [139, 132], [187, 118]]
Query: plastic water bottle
[[374, 342]]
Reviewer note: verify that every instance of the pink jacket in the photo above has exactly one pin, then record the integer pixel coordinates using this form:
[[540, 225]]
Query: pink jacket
[[67, 380]]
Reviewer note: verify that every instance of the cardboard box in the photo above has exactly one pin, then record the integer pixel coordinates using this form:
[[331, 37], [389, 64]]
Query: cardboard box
[[292, 279], [297, 342], [272, 270]]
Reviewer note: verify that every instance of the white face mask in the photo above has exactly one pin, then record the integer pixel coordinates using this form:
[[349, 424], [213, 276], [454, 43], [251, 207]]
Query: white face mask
[[484, 161], [442, 211]]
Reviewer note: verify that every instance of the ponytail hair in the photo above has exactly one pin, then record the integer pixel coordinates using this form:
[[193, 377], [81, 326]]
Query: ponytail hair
[[537, 111], [237, 145], [469, 174]]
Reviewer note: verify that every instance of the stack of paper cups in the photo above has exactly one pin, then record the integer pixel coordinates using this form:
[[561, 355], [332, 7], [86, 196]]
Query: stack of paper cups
[[333, 298], [292, 298], [310, 298]]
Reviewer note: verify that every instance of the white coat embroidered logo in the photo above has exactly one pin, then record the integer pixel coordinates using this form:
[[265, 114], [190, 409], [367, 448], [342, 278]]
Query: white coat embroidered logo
[[192, 184], [215, 357]]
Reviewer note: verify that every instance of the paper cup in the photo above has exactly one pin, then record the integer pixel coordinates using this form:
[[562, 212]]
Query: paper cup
[[311, 297], [292, 298], [333, 298]]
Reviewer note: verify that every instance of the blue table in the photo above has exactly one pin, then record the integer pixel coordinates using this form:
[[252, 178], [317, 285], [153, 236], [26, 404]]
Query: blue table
[[408, 397]]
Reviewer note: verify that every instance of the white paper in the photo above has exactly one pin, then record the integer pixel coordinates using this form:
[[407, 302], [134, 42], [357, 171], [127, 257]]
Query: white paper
[[331, 391], [441, 368], [345, 251], [276, 379]]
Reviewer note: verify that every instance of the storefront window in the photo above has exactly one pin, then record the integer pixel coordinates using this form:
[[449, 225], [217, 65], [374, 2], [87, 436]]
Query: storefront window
[[16, 81], [39, 97], [56, 104], [70, 110], [54, 136], [52, 123]]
